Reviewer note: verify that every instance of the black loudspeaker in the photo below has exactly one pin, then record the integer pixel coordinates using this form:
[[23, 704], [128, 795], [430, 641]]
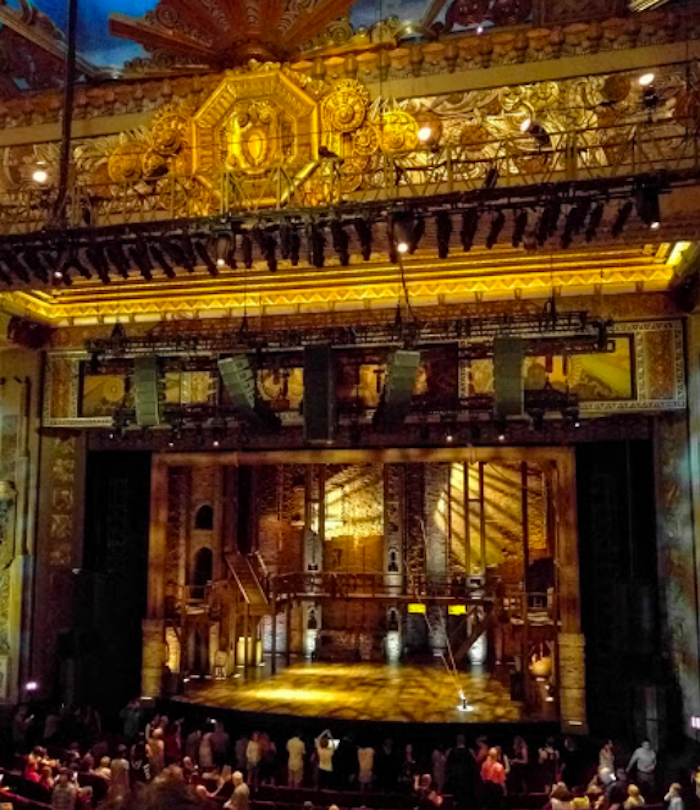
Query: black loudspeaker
[[146, 391], [398, 388], [319, 394], [508, 354], [239, 381]]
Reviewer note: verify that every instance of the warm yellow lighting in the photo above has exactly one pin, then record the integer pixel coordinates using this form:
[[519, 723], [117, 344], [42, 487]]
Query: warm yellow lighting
[[678, 250], [646, 79], [425, 134], [40, 176], [457, 610], [415, 607]]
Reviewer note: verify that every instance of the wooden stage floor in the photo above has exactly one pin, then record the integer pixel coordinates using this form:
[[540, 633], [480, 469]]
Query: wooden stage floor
[[411, 694]]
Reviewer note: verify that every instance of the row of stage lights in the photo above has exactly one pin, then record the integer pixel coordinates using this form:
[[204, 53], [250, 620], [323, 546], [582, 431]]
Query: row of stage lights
[[226, 247]]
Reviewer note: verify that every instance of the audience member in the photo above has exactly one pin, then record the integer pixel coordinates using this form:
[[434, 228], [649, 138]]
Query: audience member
[[634, 798], [644, 760], [65, 792], [240, 798], [296, 750]]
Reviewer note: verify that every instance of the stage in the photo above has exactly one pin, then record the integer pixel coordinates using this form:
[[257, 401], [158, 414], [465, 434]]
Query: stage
[[368, 692]]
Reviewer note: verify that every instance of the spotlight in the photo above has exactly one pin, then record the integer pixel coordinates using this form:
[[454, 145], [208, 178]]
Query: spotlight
[[316, 242], [363, 229], [405, 232], [497, 224], [479, 29], [161, 260], [247, 250], [285, 239], [223, 247], [594, 221], [470, 223], [139, 255], [537, 131], [95, 254], [402, 247], [425, 134], [178, 255], [202, 251], [646, 79], [31, 686], [501, 436], [40, 176], [491, 177], [444, 232], [449, 436], [622, 216], [341, 242], [648, 205], [519, 227], [501, 430]]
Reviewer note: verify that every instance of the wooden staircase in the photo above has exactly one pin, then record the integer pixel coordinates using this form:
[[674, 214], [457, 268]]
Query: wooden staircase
[[243, 570]]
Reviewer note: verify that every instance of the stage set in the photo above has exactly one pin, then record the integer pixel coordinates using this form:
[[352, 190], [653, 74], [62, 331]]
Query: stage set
[[414, 585]]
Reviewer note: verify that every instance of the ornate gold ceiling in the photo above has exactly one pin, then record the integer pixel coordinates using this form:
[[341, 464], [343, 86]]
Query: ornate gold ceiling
[[230, 33]]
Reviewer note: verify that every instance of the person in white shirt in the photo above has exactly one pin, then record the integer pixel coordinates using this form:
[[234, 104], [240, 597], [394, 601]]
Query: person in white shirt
[[295, 765], [325, 748], [253, 755], [644, 759]]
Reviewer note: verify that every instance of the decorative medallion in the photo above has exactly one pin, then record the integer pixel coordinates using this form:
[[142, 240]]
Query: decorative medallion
[[344, 110], [399, 131], [466, 13], [366, 140], [125, 163]]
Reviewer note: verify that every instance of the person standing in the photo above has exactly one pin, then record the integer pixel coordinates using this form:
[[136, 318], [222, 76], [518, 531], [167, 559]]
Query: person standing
[[644, 760], [253, 755], [324, 752], [493, 775], [220, 744], [462, 775], [365, 759], [119, 783], [296, 749], [438, 761]]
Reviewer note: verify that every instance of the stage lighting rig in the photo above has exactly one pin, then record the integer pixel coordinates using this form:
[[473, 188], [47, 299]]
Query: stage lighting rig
[[363, 229], [497, 223], [162, 261], [247, 250], [594, 220], [648, 204], [622, 216], [470, 223], [341, 241], [139, 255], [95, 254], [223, 248], [444, 233], [202, 250], [519, 226], [316, 242]]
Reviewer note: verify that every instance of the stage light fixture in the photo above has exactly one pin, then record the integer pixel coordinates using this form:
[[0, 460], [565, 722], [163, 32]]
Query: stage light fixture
[[15, 266], [33, 260], [519, 225], [270, 251], [491, 177], [285, 239], [537, 132], [316, 242], [95, 254], [223, 247], [341, 241], [648, 205], [247, 250], [118, 259], [40, 176], [479, 29], [497, 224], [622, 216], [650, 97], [202, 251], [139, 255], [444, 233], [594, 220], [470, 223], [161, 260], [363, 229], [425, 134]]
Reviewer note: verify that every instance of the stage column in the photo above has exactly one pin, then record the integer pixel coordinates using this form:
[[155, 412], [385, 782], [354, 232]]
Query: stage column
[[570, 641], [153, 627]]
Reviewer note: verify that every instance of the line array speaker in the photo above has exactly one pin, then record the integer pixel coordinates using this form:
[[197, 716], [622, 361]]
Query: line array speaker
[[146, 391], [398, 388], [239, 382], [319, 394], [508, 355]]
